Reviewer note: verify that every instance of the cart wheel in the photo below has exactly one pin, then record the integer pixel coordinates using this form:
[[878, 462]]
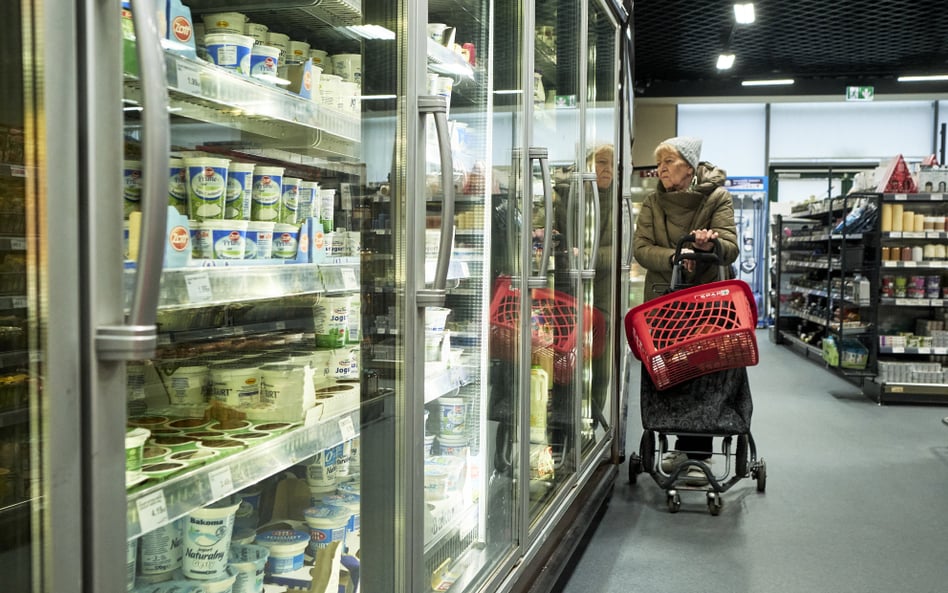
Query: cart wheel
[[647, 451], [760, 474], [741, 463], [673, 501], [635, 467], [715, 503]]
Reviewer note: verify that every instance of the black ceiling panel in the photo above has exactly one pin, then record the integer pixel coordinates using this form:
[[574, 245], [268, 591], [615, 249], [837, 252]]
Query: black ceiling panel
[[813, 41]]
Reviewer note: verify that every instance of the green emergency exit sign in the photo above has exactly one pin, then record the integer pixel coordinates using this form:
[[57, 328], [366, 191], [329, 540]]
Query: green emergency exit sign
[[860, 93]]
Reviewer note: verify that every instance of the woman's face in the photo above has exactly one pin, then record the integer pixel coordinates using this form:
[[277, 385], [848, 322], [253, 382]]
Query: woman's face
[[673, 171], [604, 169]]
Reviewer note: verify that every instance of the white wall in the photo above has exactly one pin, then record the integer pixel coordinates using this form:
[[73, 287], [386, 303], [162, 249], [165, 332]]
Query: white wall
[[734, 136]]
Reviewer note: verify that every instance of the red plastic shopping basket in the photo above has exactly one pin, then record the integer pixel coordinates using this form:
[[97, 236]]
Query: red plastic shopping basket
[[695, 331], [554, 328]]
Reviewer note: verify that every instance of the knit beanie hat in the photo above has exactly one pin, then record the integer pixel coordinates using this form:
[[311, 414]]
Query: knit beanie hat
[[689, 148]]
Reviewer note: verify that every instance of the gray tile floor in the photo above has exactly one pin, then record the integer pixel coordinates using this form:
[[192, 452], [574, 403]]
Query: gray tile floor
[[856, 501]]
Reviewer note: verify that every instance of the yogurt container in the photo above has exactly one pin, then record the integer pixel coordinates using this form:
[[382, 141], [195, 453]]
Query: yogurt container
[[285, 240], [453, 411], [289, 203], [286, 548], [281, 385], [185, 383], [235, 384], [226, 239], [178, 185], [207, 536], [264, 61], [280, 41], [239, 191], [175, 586], [162, 550], [230, 50], [224, 22], [331, 320], [321, 470], [307, 197], [297, 52], [222, 583], [267, 193], [256, 30], [259, 240], [134, 443], [249, 563], [207, 185], [327, 524], [131, 559]]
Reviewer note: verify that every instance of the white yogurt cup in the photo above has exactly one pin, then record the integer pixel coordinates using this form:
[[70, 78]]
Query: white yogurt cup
[[321, 470], [453, 414], [286, 239], [131, 558], [134, 443], [259, 240], [321, 58], [224, 22], [280, 41], [297, 52], [185, 383], [267, 193], [327, 524], [227, 238], [264, 61], [230, 50], [249, 562], [239, 191], [132, 186], [235, 384], [308, 193], [348, 67], [282, 385], [286, 549], [222, 583], [207, 187], [207, 541], [161, 550], [256, 30], [289, 203], [178, 185]]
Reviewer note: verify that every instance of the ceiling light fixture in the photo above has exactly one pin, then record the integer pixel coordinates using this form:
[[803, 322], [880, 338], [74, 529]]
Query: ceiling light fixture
[[744, 13], [772, 82], [928, 78], [725, 61]]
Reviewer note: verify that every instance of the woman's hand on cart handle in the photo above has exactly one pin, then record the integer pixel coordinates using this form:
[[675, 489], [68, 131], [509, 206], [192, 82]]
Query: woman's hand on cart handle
[[704, 239]]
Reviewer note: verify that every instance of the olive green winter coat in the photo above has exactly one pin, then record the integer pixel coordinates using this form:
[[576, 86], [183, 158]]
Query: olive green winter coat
[[666, 216]]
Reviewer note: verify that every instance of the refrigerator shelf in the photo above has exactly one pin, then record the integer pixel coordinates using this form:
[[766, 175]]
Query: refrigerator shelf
[[169, 338], [184, 288], [205, 92], [152, 506]]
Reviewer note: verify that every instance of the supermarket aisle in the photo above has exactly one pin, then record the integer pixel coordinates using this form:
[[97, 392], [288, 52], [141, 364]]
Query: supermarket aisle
[[856, 502]]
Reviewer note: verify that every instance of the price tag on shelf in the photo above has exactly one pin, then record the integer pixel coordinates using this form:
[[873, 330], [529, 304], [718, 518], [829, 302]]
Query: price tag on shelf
[[199, 288], [280, 325], [18, 303], [152, 511], [905, 302], [222, 482], [939, 350], [349, 280], [189, 78], [898, 350], [347, 428], [18, 244], [908, 264], [900, 197]]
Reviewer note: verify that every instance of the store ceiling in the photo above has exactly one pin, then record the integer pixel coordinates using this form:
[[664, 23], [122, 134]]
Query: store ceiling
[[824, 46]]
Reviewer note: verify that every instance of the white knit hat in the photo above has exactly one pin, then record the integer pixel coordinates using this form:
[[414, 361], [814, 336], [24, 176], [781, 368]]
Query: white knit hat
[[689, 148]]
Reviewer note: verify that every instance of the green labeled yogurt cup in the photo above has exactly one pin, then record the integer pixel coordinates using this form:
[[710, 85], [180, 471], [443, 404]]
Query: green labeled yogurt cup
[[207, 187], [267, 194]]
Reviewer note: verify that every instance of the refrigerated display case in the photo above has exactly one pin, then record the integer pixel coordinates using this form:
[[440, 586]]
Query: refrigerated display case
[[354, 311]]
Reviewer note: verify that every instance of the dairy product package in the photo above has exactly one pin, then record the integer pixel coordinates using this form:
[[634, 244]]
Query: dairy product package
[[180, 29]]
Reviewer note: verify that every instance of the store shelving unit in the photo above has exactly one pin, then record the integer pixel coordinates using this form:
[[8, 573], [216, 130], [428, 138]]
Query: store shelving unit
[[821, 281], [815, 275]]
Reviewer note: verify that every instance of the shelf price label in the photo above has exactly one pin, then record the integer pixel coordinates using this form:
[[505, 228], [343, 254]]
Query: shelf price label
[[347, 428], [199, 288], [189, 78], [152, 511], [222, 482]]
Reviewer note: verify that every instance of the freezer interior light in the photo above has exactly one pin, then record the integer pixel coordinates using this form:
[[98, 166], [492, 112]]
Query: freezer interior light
[[725, 61], [744, 13], [772, 82], [925, 78], [371, 31]]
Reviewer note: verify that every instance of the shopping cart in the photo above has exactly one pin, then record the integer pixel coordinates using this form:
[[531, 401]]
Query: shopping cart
[[553, 327], [695, 344]]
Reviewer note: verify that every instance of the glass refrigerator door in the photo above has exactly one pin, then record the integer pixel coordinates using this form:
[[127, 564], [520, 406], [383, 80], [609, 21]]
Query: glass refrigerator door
[[243, 428], [555, 382], [599, 267]]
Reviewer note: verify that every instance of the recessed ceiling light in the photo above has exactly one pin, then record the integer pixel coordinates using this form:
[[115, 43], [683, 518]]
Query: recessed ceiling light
[[927, 78], [772, 82], [725, 61], [744, 13]]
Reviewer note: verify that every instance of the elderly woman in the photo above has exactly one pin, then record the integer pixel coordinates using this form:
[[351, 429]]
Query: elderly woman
[[690, 199]]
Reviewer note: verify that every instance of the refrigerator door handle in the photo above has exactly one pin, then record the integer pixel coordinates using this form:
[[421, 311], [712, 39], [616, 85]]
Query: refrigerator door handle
[[627, 262], [543, 156], [138, 337], [573, 203], [589, 272], [438, 107]]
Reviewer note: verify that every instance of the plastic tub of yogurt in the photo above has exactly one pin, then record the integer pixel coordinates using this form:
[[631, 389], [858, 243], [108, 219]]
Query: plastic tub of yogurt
[[286, 548], [224, 22], [207, 540], [267, 193], [207, 187], [249, 562], [286, 239], [227, 238], [230, 50], [239, 191], [327, 524], [134, 443], [264, 61], [259, 242]]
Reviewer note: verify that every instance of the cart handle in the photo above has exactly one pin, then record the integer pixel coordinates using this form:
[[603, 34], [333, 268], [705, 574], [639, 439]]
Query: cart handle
[[715, 256]]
